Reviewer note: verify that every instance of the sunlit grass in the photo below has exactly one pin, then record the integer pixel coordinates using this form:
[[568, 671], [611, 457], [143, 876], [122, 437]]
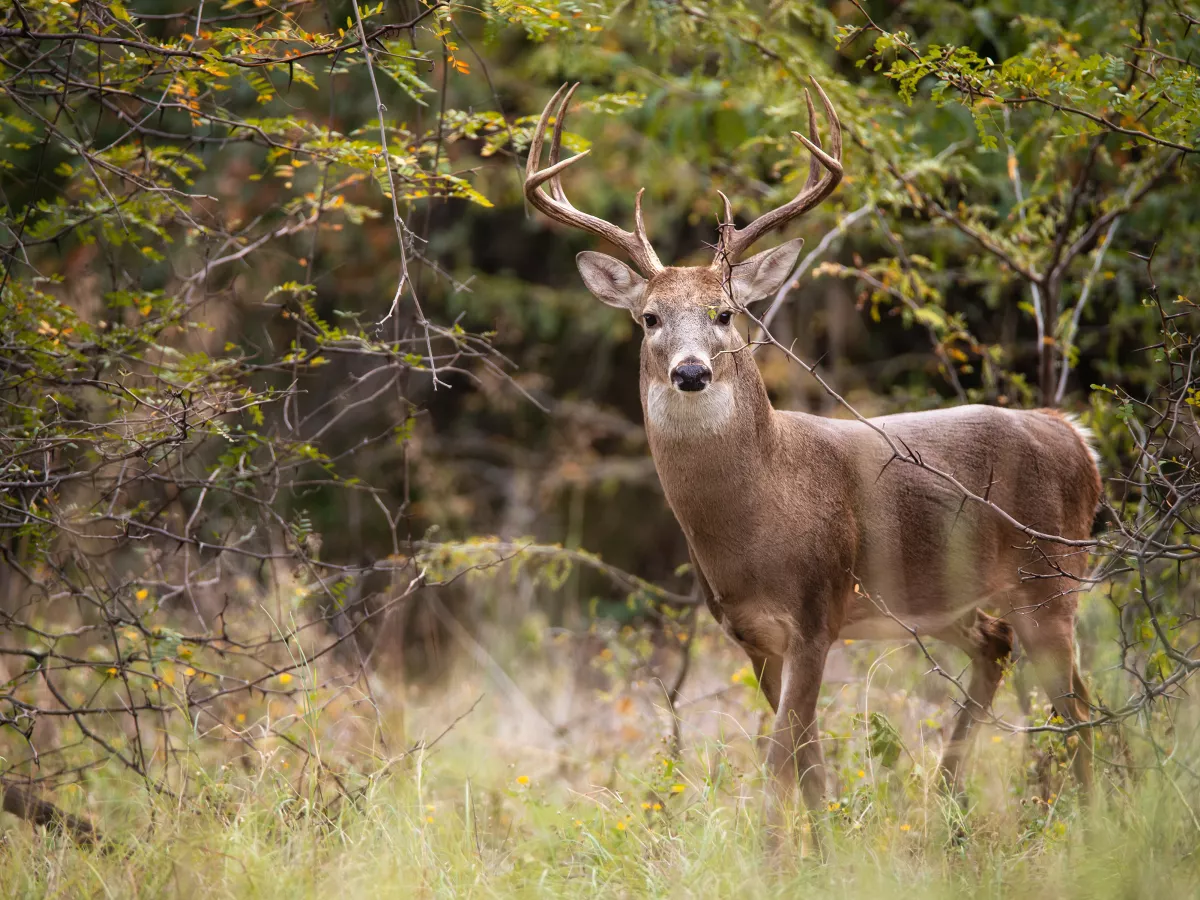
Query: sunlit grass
[[495, 833], [504, 805]]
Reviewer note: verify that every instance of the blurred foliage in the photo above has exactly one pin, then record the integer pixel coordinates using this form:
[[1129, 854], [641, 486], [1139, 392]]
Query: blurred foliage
[[266, 380]]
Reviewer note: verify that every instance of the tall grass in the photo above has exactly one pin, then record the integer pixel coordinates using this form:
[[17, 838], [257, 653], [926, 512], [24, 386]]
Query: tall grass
[[502, 807]]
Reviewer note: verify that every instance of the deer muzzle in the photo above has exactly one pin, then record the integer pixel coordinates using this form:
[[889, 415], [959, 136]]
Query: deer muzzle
[[691, 375]]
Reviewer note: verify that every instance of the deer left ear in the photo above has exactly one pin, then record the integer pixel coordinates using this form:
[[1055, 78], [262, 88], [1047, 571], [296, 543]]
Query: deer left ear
[[764, 273]]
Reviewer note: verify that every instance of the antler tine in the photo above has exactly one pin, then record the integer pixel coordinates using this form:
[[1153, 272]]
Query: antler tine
[[728, 219], [832, 163], [639, 225], [835, 136], [556, 206], [819, 185], [560, 122], [814, 167], [539, 134], [724, 227]]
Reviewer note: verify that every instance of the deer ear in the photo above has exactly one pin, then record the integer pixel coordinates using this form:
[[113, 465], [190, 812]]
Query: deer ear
[[611, 280], [764, 273]]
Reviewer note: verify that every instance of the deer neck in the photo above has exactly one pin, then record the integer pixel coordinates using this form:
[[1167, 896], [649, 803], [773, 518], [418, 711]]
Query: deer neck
[[712, 448]]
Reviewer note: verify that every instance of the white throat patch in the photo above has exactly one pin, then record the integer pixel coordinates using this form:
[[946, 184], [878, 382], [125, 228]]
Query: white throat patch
[[686, 414]]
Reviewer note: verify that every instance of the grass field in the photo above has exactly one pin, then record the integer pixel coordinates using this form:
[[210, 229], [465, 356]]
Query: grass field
[[559, 782]]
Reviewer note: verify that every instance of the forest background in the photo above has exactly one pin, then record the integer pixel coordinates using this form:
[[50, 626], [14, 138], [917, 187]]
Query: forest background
[[333, 557]]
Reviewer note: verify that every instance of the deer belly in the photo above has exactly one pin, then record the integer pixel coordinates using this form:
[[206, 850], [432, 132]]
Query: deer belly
[[873, 620]]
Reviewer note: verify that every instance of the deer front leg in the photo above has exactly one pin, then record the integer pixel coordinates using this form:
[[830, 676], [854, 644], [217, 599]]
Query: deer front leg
[[768, 670], [795, 750]]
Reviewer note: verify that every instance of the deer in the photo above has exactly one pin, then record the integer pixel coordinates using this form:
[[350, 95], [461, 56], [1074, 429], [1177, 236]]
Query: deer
[[803, 530]]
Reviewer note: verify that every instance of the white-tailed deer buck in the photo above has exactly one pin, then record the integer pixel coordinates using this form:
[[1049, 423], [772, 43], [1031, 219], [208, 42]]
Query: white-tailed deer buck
[[802, 529]]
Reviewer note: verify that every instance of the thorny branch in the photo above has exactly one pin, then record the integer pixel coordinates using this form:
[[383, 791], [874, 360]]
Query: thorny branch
[[162, 587]]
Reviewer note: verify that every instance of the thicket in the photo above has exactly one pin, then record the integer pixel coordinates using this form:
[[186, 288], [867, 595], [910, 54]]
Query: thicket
[[288, 371]]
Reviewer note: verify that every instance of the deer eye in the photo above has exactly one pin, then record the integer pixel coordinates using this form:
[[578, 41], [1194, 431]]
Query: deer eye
[[650, 319], [725, 316]]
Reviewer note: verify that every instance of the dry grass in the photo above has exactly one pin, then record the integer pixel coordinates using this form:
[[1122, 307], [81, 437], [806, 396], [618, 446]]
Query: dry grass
[[558, 783]]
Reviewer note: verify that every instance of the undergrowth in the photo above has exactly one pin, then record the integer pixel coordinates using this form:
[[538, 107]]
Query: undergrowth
[[500, 806]]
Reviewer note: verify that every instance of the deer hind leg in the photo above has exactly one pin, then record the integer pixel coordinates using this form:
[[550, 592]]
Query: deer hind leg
[[989, 642], [1045, 625]]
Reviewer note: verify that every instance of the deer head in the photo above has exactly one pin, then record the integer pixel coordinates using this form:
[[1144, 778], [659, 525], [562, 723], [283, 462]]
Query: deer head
[[689, 369]]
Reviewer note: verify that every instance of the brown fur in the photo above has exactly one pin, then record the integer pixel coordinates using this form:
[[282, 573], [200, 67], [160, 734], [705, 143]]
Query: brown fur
[[785, 513]]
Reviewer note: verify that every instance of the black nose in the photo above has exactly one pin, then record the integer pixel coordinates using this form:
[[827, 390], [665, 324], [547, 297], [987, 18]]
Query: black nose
[[691, 376]]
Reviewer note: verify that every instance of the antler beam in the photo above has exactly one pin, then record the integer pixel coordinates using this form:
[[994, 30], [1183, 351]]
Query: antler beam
[[559, 208], [824, 174]]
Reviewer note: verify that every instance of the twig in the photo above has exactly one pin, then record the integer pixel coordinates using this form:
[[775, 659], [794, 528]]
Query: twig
[[1077, 313], [24, 805], [401, 228]]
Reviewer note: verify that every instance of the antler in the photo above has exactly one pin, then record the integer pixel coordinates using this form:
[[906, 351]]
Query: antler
[[559, 208], [820, 184]]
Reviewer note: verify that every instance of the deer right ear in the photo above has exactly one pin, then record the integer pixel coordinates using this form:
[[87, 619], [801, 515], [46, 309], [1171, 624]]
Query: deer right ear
[[611, 280]]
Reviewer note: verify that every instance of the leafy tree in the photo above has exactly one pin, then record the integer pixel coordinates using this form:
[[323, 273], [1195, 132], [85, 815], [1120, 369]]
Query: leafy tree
[[280, 338]]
